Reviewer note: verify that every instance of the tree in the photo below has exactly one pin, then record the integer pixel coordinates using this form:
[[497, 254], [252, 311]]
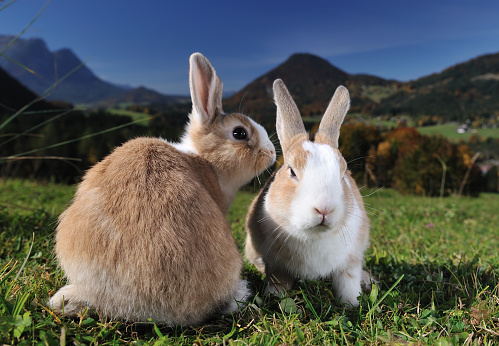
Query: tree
[[394, 145], [358, 143], [436, 165]]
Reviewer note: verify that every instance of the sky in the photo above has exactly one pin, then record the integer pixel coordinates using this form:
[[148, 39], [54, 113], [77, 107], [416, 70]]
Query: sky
[[148, 43]]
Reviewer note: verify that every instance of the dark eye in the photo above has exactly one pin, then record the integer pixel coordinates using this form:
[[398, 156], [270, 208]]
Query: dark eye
[[240, 133], [292, 173]]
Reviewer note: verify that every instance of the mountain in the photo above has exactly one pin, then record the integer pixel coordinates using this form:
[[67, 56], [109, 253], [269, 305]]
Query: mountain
[[141, 96], [14, 96], [80, 85], [311, 81], [466, 90]]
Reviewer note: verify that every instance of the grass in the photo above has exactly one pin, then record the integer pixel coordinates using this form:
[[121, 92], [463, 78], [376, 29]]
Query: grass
[[449, 131], [436, 261], [141, 118]]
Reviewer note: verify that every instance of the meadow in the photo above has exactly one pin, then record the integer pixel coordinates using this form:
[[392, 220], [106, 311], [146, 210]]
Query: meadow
[[450, 131], [436, 261]]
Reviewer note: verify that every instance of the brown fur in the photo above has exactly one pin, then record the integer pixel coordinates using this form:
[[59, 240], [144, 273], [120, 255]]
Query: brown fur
[[146, 234], [129, 214]]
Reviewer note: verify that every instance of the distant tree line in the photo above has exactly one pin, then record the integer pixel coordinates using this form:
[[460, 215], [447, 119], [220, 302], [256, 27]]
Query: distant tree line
[[453, 100], [67, 162], [404, 159], [401, 158]]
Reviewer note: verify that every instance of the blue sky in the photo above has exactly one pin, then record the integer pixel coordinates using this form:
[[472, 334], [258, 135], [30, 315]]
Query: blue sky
[[149, 42]]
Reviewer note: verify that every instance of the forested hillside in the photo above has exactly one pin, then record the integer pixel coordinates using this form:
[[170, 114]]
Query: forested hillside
[[311, 81], [467, 90], [56, 141]]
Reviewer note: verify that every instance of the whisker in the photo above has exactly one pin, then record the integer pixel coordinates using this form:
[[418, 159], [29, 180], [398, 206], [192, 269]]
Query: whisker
[[263, 219], [358, 158], [274, 240], [376, 210], [372, 193], [351, 151], [358, 216], [258, 178], [242, 99], [286, 241]]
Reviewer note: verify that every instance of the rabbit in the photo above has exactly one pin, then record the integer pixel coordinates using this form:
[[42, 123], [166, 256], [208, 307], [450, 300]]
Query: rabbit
[[309, 220], [146, 236]]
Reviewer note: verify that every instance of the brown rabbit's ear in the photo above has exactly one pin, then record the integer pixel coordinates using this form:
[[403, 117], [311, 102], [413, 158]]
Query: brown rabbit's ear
[[288, 122], [335, 113], [206, 89]]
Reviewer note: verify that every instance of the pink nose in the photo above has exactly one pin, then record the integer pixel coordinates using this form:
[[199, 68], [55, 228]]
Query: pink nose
[[323, 211]]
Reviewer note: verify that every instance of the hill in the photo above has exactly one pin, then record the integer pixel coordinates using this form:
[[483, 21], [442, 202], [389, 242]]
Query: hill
[[312, 81], [141, 96], [14, 96], [466, 90]]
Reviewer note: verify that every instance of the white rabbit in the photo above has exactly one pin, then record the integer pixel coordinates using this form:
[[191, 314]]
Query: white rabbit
[[309, 220], [146, 234]]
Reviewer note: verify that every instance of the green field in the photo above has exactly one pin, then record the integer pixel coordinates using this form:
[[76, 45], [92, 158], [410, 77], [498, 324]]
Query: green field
[[144, 118], [449, 131], [436, 261]]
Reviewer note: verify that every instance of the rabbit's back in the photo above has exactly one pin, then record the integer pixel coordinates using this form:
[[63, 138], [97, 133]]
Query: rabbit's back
[[147, 222]]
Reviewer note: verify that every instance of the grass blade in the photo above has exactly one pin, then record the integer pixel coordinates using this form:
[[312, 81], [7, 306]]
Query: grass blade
[[37, 126], [25, 28], [76, 139], [7, 5], [310, 306], [26, 258], [42, 95], [385, 295], [19, 304], [24, 67]]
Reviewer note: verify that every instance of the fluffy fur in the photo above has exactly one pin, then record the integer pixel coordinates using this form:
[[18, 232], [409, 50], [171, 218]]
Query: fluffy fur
[[146, 234], [309, 220]]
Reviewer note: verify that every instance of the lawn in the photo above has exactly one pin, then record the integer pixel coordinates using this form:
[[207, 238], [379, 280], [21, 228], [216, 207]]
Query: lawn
[[436, 261]]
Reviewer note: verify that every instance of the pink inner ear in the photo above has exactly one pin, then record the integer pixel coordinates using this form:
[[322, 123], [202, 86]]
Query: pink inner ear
[[203, 88]]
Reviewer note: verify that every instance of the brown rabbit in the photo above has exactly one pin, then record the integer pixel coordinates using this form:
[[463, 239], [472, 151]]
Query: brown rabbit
[[146, 234]]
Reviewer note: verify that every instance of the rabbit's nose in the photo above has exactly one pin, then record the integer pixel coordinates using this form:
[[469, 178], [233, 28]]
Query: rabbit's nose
[[324, 212]]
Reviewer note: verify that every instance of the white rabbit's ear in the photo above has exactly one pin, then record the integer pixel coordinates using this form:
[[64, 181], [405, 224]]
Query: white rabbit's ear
[[206, 89], [288, 122], [335, 113]]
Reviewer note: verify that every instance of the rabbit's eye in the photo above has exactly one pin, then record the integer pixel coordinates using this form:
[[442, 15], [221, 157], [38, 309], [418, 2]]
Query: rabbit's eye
[[292, 173], [240, 133]]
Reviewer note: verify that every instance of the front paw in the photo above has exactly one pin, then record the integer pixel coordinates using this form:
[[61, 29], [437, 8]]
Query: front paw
[[367, 280], [278, 286], [65, 301]]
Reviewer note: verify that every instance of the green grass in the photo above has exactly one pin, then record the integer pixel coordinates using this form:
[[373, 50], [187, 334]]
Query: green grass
[[449, 131], [136, 116], [436, 261], [377, 93]]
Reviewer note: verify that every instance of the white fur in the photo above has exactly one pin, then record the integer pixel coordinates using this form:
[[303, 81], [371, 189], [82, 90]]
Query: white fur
[[319, 230], [241, 295], [185, 145], [320, 187], [266, 143]]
